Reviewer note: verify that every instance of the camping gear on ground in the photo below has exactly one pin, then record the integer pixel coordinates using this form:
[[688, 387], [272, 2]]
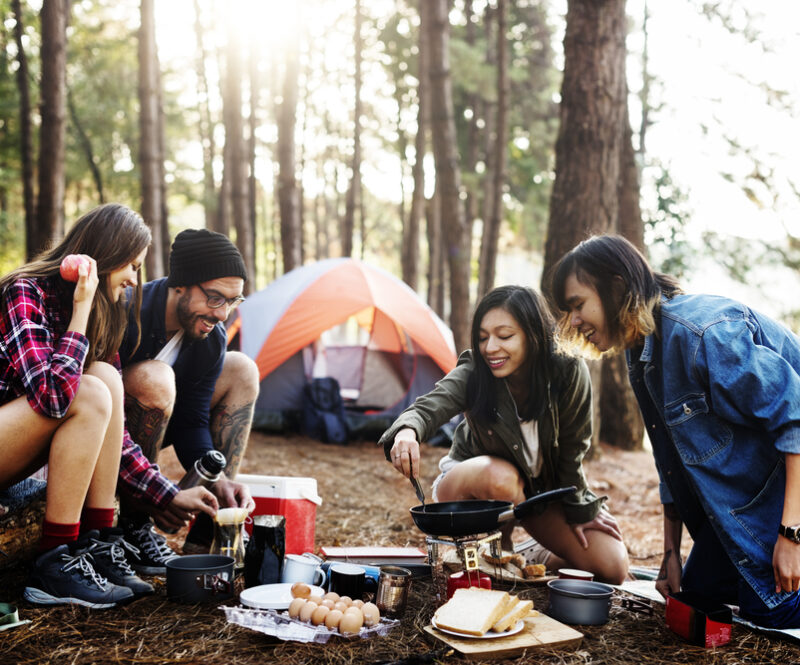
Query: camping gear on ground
[[323, 411], [205, 471], [198, 578], [9, 617], [301, 568], [344, 319], [263, 555], [698, 620], [348, 579], [575, 574], [473, 516], [579, 602], [294, 498], [392, 593], [272, 596], [229, 534], [467, 578]]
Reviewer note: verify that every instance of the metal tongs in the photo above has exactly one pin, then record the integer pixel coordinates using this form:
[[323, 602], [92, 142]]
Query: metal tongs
[[415, 483]]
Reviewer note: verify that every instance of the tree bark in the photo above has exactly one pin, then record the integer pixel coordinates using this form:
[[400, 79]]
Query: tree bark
[[354, 190], [287, 181], [150, 158], [206, 124], [433, 229], [49, 211], [448, 177], [26, 136], [86, 144], [491, 228], [585, 198]]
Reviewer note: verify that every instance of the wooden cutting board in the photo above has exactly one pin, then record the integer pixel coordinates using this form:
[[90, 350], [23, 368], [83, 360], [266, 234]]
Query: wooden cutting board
[[539, 631]]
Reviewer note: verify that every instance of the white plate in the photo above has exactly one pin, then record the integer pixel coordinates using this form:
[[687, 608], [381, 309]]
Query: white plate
[[488, 635], [272, 596]]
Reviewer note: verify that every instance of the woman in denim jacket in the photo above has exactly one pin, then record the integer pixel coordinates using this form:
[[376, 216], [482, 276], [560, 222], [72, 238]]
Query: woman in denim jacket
[[528, 425], [718, 386]]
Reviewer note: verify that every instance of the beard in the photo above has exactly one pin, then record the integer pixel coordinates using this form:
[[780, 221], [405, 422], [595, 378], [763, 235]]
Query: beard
[[188, 319]]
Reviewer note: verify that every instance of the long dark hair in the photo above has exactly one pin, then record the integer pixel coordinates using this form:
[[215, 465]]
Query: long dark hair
[[113, 235], [630, 290], [532, 314]]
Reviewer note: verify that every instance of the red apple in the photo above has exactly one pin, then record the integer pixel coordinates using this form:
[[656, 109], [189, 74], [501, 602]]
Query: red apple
[[70, 265]]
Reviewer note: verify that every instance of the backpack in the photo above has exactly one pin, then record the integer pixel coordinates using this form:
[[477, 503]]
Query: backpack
[[323, 411]]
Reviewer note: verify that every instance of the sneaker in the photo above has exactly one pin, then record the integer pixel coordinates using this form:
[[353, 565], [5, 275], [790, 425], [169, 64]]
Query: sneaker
[[109, 549], [200, 536], [533, 552], [152, 551], [60, 577]]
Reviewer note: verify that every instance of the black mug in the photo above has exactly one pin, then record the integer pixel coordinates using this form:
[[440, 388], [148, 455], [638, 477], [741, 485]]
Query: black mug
[[347, 579]]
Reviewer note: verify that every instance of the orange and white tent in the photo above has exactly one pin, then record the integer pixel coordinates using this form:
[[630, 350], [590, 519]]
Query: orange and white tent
[[346, 319]]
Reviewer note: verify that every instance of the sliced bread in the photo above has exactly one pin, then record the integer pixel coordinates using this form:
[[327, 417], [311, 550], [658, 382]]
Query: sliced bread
[[472, 611], [512, 615]]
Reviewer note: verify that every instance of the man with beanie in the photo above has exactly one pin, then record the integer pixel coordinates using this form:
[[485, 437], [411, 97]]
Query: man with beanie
[[183, 389]]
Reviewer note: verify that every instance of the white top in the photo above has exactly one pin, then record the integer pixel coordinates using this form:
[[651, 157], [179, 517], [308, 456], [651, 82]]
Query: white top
[[169, 354], [530, 432]]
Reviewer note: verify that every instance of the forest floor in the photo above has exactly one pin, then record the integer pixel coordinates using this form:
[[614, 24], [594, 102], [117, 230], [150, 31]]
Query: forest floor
[[366, 502]]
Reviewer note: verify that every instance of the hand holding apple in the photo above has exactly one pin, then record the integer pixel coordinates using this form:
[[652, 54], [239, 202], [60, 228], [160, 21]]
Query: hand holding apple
[[70, 265]]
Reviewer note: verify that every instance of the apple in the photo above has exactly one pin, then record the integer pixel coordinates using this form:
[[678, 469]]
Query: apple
[[70, 265]]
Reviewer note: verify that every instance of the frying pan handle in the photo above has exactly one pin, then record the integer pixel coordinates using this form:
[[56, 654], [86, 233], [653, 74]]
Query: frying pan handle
[[526, 507]]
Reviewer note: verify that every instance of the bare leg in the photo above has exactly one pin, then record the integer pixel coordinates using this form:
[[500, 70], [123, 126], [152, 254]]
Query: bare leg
[[149, 400], [232, 409]]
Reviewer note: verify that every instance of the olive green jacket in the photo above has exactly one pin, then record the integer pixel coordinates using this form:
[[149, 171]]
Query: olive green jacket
[[564, 432]]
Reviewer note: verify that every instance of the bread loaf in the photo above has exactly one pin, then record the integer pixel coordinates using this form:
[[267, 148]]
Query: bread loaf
[[518, 610], [472, 611], [534, 570]]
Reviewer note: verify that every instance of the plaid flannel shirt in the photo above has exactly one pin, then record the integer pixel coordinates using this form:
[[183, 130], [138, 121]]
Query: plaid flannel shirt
[[43, 361]]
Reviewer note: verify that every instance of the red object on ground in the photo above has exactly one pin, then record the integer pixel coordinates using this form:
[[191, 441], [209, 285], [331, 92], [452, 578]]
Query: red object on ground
[[70, 264], [698, 620], [464, 579]]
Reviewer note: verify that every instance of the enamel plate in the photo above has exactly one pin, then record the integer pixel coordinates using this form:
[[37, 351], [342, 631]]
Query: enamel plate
[[489, 635], [272, 596]]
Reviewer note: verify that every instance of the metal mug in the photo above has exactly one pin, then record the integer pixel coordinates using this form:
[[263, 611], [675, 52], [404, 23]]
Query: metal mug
[[392, 594]]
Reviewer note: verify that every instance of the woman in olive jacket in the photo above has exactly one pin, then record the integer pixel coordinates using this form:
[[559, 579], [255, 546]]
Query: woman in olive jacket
[[527, 427]]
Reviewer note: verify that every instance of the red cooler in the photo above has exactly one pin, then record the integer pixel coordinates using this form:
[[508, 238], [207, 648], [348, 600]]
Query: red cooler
[[294, 498]]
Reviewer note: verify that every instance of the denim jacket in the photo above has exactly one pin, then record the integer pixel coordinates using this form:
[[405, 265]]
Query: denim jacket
[[564, 431], [719, 389]]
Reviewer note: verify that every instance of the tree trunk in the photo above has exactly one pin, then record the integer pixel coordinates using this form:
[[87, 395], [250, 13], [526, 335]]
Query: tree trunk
[[354, 191], [86, 144], [150, 166], [206, 125], [287, 182], [410, 249], [26, 137], [585, 198], [433, 226], [49, 211], [491, 227], [448, 176], [252, 182]]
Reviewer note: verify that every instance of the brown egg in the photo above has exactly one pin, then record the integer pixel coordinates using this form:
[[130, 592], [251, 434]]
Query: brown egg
[[339, 605], [358, 603], [319, 614], [333, 618], [327, 602], [300, 590], [351, 622], [316, 599], [347, 600], [295, 606], [353, 609], [331, 595], [307, 610], [372, 614]]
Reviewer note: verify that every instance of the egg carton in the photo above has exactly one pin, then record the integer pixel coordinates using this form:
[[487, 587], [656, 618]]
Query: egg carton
[[284, 627]]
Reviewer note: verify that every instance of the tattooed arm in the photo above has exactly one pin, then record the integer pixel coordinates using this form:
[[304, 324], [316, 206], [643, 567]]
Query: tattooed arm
[[669, 575]]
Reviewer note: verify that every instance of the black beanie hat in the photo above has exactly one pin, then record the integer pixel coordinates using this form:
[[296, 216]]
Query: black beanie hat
[[199, 255]]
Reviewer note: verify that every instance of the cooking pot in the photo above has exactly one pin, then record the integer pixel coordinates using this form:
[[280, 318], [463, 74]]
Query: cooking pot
[[579, 602], [197, 578]]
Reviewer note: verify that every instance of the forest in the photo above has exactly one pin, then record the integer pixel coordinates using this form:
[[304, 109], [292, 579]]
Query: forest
[[459, 144]]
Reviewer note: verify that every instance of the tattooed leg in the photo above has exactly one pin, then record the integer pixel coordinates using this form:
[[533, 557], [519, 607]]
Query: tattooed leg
[[146, 426], [232, 409], [149, 399]]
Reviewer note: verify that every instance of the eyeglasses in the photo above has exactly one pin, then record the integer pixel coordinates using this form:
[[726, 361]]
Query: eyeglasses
[[216, 300]]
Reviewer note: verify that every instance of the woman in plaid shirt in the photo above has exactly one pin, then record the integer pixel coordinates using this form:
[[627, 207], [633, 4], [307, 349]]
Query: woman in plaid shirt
[[61, 404]]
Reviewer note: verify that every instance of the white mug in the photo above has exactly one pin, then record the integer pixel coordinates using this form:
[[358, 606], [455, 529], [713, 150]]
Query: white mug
[[297, 568]]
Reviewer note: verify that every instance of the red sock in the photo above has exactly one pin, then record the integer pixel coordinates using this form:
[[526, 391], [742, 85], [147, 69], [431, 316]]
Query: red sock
[[55, 534], [96, 518]]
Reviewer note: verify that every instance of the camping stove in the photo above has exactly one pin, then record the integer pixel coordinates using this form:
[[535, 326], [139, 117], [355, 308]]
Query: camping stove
[[447, 555]]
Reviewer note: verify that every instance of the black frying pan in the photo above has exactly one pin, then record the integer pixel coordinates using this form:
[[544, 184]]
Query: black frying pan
[[466, 518]]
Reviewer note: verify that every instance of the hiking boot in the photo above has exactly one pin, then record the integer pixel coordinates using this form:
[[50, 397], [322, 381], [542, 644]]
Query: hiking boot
[[152, 551], [200, 536], [60, 577], [109, 549]]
